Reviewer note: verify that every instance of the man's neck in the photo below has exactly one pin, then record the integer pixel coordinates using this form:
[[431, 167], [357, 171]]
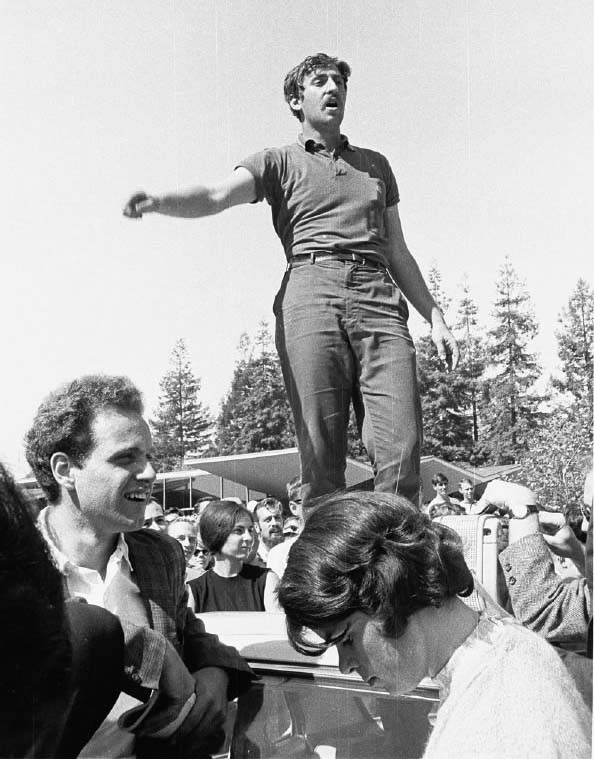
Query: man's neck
[[77, 540], [267, 545], [330, 139]]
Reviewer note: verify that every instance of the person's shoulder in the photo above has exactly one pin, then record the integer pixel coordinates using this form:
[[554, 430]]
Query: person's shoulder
[[252, 571], [370, 153], [146, 537], [274, 154], [152, 541], [281, 549], [201, 581], [363, 149], [523, 645]]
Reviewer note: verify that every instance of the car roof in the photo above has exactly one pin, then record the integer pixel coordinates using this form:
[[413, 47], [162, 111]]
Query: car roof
[[261, 638]]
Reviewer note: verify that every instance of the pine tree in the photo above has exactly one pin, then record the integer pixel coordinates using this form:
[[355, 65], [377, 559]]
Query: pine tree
[[472, 359], [447, 429], [255, 415], [182, 424], [553, 465], [355, 447], [509, 402], [575, 337], [435, 285]]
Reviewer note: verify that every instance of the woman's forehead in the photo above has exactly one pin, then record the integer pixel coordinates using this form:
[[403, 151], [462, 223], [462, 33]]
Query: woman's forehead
[[336, 629]]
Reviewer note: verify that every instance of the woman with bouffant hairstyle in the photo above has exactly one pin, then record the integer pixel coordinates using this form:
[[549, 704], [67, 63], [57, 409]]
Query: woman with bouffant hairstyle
[[381, 582]]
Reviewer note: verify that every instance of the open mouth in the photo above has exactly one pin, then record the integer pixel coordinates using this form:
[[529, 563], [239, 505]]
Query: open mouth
[[331, 103], [138, 496]]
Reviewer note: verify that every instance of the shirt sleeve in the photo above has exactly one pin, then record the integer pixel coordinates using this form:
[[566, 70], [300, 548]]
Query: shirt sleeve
[[392, 192], [557, 608], [264, 167]]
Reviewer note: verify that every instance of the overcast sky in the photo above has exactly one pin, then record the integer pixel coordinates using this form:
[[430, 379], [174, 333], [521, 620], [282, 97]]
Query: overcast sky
[[483, 107]]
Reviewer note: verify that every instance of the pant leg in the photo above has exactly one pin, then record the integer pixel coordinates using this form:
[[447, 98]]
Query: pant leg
[[317, 364], [386, 368]]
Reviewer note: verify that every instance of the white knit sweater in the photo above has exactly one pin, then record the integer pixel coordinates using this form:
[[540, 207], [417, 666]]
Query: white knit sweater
[[505, 694]]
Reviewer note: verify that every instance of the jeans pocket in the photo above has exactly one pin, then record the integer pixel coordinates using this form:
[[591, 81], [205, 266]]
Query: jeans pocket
[[278, 298], [400, 302]]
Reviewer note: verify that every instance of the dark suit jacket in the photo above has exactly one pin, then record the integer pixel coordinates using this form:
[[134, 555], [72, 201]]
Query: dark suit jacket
[[159, 571]]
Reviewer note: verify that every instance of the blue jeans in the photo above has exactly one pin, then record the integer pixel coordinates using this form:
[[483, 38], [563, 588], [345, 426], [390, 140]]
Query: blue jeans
[[342, 335]]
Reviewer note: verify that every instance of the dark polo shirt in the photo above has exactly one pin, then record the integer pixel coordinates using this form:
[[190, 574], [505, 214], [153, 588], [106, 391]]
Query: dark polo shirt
[[326, 202]]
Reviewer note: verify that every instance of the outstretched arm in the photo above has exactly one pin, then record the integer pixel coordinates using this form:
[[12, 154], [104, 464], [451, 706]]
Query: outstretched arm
[[407, 274], [200, 200]]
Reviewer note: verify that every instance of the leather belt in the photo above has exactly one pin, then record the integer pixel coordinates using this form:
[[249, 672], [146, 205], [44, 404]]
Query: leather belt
[[351, 257]]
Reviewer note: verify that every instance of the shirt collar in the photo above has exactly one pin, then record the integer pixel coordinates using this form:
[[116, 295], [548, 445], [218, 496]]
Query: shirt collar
[[311, 146], [63, 563]]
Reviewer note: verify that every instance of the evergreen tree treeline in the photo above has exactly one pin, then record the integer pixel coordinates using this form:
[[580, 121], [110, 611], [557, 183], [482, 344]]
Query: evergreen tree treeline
[[182, 425], [488, 411]]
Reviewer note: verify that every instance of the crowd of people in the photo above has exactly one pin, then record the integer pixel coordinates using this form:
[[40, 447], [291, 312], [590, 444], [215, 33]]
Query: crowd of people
[[102, 593], [443, 504], [104, 556]]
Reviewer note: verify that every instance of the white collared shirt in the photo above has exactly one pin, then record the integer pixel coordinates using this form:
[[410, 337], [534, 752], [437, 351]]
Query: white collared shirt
[[82, 582]]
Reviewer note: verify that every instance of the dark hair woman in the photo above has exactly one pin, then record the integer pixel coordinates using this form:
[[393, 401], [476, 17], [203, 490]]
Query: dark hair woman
[[379, 580], [227, 531]]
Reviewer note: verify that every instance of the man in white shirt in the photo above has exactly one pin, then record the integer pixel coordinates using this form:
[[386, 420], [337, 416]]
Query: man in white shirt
[[268, 515], [91, 451], [467, 490]]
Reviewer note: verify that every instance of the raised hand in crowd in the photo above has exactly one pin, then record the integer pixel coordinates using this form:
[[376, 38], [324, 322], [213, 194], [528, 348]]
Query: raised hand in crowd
[[507, 498], [561, 539]]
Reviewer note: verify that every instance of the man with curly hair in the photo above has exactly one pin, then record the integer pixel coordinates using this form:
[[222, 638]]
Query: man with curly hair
[[90, 450], [341, 313]]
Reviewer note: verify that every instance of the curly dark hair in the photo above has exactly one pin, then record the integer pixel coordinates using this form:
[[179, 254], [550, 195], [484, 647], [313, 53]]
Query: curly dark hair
[[293, 83], [63, 422], [33, 631], [217, 522], [369, 552]]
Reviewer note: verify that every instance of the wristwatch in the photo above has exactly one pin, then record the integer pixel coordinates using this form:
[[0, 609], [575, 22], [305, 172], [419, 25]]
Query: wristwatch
[[523, 512]]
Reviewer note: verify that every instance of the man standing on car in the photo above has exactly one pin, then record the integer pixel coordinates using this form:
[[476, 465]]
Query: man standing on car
[[341, 314]]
